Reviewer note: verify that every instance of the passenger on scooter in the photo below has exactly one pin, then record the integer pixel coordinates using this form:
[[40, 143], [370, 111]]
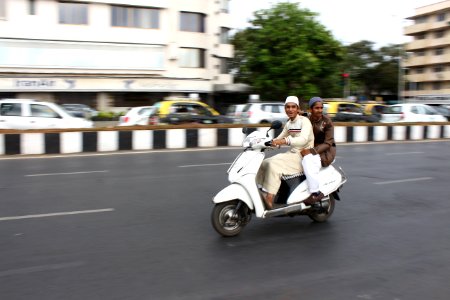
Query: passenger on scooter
[[323, 152], [298, 134]]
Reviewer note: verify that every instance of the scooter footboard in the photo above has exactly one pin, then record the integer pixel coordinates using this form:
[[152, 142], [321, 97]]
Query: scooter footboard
[[232, 192]]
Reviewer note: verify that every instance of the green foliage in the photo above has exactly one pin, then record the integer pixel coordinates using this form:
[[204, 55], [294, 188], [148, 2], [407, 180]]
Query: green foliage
[[287, 52], [373, 72], [107, 116]]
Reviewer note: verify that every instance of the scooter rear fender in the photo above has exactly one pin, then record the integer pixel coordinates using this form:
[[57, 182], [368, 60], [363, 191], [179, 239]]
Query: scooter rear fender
[[232, 192]]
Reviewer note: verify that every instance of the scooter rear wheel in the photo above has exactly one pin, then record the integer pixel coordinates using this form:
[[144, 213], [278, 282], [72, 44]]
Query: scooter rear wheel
[[226, 221], [322, 214]]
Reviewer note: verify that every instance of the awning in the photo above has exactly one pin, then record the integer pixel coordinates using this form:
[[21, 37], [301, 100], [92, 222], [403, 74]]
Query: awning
[[232, 88]]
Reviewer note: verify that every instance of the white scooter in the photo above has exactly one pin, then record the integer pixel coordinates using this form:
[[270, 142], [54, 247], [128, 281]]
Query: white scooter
[[235, 204]]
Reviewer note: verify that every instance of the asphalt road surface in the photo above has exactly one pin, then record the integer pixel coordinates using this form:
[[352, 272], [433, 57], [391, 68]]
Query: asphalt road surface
[[137, 226]]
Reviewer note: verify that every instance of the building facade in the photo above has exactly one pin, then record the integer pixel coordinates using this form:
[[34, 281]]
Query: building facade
[[427, 66], [114, 53]]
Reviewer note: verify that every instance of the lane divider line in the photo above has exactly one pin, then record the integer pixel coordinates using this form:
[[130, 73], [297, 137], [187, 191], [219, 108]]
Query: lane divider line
[[204, 165], [57, 214], [404, 153], [69, 173], [404, 180], [42, 268]]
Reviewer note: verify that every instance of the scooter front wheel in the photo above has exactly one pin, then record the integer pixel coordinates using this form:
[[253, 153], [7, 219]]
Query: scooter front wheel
[[229, 218]]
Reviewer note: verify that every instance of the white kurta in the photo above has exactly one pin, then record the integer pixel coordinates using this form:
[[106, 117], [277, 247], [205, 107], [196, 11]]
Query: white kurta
[[300, 136]]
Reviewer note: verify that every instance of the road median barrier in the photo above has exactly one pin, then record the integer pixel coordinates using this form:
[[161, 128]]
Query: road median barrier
[[111, 139]]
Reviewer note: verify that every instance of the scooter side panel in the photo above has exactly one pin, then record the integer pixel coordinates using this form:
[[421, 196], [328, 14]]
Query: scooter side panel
[[300, 193], [232, 192], [330, 180]]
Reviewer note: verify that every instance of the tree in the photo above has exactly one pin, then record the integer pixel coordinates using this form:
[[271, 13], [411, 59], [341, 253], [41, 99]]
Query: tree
[[287, 52], [373, 72]]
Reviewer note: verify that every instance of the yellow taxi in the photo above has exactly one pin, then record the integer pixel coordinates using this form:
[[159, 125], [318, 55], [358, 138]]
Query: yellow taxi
[[182, 111], [344, 111], [373, 111]]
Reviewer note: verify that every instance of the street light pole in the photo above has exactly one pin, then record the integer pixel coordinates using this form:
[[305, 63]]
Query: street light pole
[[400, 74]]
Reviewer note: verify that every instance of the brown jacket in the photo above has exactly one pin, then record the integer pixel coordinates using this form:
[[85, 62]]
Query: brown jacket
[[324, 144]]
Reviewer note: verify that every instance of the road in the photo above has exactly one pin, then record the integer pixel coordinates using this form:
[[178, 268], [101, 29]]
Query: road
[[137, 226]]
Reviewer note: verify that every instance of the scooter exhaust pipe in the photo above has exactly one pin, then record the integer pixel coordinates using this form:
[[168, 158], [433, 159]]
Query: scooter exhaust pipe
[[294, 208]]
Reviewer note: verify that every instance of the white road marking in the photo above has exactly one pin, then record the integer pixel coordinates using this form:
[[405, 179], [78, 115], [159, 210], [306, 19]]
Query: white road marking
[[204, 165], [70, 173], [404, 153], [57, 214], [404, 180], [41, 268]]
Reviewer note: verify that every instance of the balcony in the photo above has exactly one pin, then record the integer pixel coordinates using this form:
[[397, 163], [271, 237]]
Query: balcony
[[426, 43], [438, 76], [426, 60], [424, 27]]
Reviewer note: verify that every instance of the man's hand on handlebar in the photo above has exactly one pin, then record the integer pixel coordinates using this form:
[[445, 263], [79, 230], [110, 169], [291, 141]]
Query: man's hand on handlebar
[[278, 142]]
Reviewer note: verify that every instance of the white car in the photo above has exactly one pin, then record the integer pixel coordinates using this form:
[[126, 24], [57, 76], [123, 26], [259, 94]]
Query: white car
[[234, 111], [411, 112], [137, 116], [33, 114], [263, 112]]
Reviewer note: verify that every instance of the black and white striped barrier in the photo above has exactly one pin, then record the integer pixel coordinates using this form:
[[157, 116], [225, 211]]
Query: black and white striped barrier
[[112, 140]]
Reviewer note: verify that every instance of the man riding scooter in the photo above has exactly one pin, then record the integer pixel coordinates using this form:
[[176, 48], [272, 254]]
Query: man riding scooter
[[298, 134]]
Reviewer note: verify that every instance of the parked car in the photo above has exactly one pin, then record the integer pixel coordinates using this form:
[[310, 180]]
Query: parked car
[[234, 111], [263, 112], [411, 112], [80, 110], [136, 116], [442, 109], [185, 111], [341, 111], [32, 114], [373, 111]]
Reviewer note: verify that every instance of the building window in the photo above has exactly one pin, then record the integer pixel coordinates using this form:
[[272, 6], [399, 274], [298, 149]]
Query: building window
[[420, 53], [420, 36], [436, 85], [192, 58], [194, 22], [439, 34], [224, 65], [421, 20], [73, 13], [2, 9], [135, 17], [440, 17], [224, 35], [420, 70], [225, 6], [31, 7], [438, 68], [439, 51], [37, 54]]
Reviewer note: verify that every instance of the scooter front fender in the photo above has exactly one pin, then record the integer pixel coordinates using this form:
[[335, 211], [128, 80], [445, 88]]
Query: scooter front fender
[[232, 192]]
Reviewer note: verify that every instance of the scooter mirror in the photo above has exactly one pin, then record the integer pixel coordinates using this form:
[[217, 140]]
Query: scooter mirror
[[276, 125]]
